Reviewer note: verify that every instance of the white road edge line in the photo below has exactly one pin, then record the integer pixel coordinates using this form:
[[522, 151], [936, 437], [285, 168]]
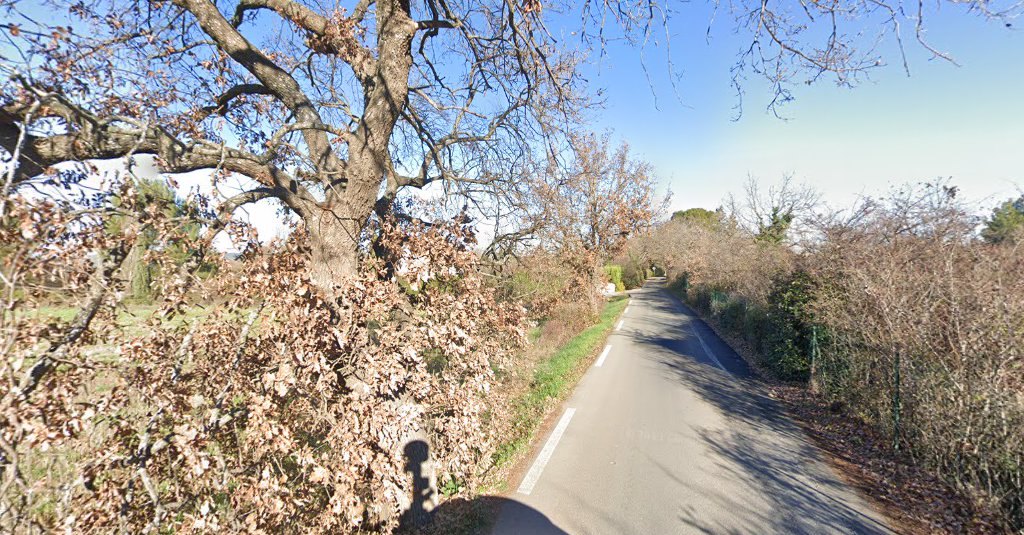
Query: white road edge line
[[705, 347], [624, 312], [619, 326], [604, 354], [526, 487]]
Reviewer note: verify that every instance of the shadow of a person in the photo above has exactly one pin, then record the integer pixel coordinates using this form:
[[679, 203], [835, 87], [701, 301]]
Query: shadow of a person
[[482, 514], [417, 454]]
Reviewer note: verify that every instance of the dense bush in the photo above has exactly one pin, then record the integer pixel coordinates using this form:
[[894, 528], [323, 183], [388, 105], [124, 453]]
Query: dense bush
[[788, 336], [910, 292], [901, 311], [538, 281], [280, 407], [634, 274], [614, 275]]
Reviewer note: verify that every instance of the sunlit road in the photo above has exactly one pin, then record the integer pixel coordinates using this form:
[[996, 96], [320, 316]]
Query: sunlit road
[[669, 435]]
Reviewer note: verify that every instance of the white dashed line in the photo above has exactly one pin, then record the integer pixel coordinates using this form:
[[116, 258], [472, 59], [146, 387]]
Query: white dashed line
[[619, 326], [604, 354], [537, 469]]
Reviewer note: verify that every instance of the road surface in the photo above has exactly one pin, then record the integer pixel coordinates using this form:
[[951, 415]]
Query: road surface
[[666, 433]]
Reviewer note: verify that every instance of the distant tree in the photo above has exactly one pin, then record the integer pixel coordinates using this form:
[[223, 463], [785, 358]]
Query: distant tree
[[774, 229], [1006, 223], [586, 210], [700, 216], [137, 270], [770, 214]]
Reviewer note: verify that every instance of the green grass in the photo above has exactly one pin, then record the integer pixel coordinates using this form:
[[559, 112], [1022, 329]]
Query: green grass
[[131, 318], [555, 377]]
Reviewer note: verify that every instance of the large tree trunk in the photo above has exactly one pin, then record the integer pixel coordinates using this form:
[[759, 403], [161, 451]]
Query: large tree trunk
[[334, 249], [335, 226]]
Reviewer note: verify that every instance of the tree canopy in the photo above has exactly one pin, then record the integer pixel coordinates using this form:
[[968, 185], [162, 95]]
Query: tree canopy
[[1006, 224]]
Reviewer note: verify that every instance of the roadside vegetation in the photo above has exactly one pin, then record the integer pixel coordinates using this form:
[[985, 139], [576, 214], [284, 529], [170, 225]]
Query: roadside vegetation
[[554, 377], [906, 311], [375, 360]]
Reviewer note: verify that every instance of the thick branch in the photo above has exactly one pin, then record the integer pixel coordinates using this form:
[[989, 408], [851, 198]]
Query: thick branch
[[221, 105], [100, 139], [281, 84], [30, 162], [333, 39]]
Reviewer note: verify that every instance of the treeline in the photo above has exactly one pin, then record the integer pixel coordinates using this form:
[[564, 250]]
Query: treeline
[[907, 309]]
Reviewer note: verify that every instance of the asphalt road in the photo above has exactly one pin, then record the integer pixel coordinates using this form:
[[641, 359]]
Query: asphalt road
[[670, 435]]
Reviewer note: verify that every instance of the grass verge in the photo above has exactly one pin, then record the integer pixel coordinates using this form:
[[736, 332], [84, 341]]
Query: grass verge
[[554, 378]]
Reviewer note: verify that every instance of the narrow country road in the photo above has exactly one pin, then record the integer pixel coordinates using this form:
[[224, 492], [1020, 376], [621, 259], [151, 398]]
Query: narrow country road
[[667, 434]]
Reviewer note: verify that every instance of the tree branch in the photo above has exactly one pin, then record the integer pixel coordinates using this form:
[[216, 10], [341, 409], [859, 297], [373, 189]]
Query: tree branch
[[97, 138], [221, 105], [277, 80], [332, 35]]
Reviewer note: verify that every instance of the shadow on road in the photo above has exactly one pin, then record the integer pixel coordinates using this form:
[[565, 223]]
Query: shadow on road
[[758, 448], [475, 516], [479, 517]]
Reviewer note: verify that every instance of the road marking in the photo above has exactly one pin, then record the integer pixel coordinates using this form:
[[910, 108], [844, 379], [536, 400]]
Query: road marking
[[619, 326], [705, 346], [537, 469], [624, 312], [600, 360]]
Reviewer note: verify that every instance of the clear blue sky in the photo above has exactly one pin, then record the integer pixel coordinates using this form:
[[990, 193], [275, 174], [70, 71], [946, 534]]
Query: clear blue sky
[[962, 122]]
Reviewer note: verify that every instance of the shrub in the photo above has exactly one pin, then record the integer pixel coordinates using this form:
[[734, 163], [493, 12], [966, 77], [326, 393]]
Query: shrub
[[680, 285], [614, 275], [539, 281], [219, 421], [700, 298], [908, 286], [732, 314], [788, 343]]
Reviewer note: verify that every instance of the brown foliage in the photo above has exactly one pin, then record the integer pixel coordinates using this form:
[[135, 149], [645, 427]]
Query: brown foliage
[[278, 409], [918, 321], [721, 258], [909, 288]]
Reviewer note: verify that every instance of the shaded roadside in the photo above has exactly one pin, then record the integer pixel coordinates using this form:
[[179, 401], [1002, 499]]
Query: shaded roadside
[[915, 500]]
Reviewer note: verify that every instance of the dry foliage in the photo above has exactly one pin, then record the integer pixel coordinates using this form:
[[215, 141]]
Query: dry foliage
[[573, 218], [276, 410], [898, 310], [926, 321], [720, 258]]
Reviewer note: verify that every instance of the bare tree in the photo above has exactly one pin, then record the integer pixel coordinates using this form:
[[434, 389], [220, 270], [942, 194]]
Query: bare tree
[[587, 209], [770, 214]]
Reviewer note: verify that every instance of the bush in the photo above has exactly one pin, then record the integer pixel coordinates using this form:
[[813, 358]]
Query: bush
[[282, 390], [757, 326], [539, 282], [788, 343], [732, 314], [633, 275], [906, 285], [916, 291], [680, 285], [614, 275], [700, 298]]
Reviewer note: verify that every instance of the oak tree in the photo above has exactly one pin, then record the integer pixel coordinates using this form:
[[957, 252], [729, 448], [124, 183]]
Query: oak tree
[[334, 109]]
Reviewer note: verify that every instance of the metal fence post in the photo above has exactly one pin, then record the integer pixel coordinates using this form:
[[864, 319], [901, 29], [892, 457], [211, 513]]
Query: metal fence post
[[896, 403], [813, 382]]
